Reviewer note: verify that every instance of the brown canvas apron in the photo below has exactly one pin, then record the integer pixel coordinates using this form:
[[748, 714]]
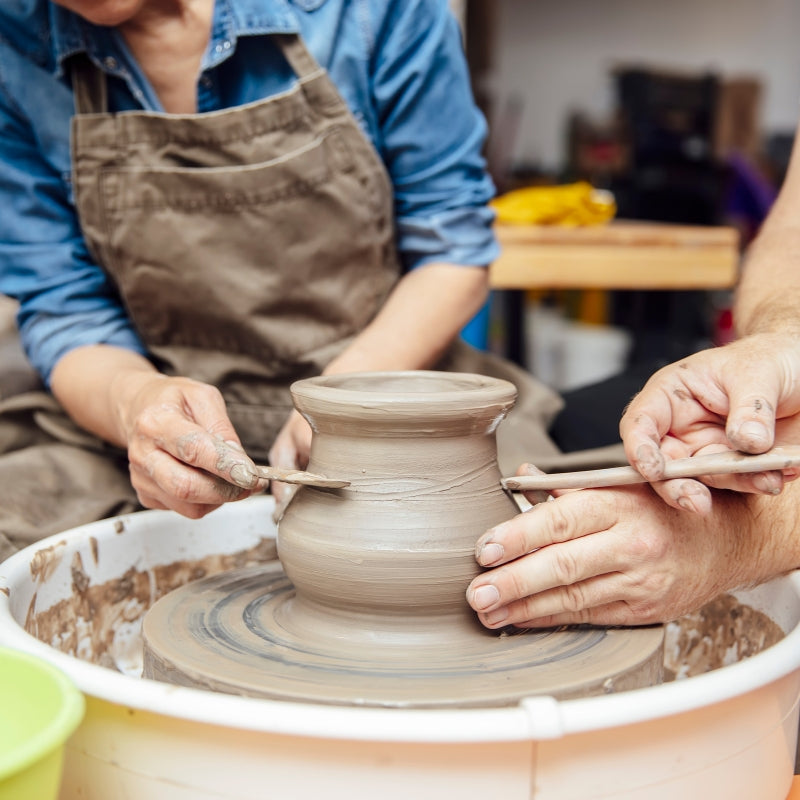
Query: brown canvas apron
[[249, 246]]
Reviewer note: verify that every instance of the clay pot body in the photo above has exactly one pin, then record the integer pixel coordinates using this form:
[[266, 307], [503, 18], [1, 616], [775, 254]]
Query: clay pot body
[[419, 449]]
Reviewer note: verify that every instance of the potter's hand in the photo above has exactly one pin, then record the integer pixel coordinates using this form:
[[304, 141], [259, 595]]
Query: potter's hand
[[610, 557], [290, 450], [184, 453], [744, 396]]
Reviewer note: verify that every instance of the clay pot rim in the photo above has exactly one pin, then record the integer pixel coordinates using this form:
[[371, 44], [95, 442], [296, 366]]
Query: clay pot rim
[[468, 390]]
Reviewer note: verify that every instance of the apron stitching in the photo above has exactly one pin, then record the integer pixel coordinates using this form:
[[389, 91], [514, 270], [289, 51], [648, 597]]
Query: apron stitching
[[338, 155], [283, 159], [227, 201]]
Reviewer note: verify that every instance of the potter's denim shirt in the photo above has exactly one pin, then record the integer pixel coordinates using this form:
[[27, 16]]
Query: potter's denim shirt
[[398, 63]]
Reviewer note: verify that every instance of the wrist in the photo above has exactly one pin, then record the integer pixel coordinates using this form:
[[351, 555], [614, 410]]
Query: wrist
[[124, 398], [776, 316]]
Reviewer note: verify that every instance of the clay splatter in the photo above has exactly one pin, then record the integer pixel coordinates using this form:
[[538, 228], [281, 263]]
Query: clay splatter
[[102, 623], [45, 560], [723, 632]]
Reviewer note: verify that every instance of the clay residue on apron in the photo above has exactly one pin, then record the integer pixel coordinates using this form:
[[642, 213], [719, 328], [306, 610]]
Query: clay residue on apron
[[101, 623]]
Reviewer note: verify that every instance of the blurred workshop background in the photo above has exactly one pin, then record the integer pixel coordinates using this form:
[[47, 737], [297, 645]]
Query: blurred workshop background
[[684, 111]]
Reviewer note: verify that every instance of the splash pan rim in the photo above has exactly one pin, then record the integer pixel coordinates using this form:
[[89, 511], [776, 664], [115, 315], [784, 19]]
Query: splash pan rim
[[535, 717]]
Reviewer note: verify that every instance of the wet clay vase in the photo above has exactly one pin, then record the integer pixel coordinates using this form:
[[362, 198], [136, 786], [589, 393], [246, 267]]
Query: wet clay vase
[[420, 453]]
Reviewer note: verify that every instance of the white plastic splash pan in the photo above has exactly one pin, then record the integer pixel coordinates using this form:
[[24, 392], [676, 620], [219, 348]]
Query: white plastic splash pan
[[730, 733]]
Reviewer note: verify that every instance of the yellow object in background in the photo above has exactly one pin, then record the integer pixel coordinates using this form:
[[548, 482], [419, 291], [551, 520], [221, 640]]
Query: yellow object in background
[[570, 205]]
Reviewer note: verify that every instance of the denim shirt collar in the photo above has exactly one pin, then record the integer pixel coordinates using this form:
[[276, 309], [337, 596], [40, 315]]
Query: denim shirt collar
[[72, 34]]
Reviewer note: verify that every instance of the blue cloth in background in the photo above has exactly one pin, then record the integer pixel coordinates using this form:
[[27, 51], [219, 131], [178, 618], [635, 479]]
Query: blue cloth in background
[[476, 331]]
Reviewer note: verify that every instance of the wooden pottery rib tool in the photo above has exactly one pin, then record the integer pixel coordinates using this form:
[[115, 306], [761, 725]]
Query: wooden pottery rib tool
[[300, 477], [730, 462]]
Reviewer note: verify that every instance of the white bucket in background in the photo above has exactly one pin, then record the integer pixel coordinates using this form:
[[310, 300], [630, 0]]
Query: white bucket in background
[[544, 333], [566, 355], [591, 353], [727, 734]]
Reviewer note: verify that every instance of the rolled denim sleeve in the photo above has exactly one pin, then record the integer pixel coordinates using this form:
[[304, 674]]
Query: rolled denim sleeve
[[66, 300], [432, 135]]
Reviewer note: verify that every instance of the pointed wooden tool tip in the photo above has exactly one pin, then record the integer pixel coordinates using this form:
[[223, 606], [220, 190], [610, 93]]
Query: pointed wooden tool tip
[[320, 481], [298, 476]]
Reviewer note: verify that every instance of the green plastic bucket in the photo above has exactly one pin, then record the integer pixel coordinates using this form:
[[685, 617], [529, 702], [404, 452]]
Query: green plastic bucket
[[39, 709]]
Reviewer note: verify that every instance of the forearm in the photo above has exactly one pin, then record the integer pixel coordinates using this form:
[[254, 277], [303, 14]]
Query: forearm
[[766, 528], [746, 540], [95, 384], [768, 296], [423, 315]]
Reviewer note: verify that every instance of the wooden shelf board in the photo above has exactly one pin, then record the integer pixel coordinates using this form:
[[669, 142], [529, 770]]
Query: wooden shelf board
[[616, 256]]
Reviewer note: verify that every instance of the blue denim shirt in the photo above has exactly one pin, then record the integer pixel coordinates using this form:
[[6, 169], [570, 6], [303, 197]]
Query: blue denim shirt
[[398, 63]]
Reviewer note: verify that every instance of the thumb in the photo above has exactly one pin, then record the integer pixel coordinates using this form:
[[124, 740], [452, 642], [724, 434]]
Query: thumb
[[751, 422]]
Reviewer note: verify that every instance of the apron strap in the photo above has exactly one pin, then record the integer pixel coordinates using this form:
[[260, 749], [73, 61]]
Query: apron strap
[[88, 85], [297, 54]]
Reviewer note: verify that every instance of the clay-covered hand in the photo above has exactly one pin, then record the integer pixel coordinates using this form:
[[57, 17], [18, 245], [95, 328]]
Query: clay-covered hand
[[744, 396], [183, 451], [290, 450], [614, 557]]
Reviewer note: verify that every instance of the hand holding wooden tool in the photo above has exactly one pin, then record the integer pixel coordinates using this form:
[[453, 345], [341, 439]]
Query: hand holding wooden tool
[[728, 462]]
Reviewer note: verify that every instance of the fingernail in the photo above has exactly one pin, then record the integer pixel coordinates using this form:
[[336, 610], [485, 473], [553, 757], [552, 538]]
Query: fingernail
[[648, 461], [767, 483], [699, 502], [496, 616], [753, 433], [485, 597], [487, 539], [536, 497], [243, 475], [490, 553]]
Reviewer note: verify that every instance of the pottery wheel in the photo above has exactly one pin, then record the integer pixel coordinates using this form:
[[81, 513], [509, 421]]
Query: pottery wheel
[[246, 632]]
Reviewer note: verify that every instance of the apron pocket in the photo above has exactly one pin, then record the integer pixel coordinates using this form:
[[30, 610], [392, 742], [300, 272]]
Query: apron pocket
[[270, 260]]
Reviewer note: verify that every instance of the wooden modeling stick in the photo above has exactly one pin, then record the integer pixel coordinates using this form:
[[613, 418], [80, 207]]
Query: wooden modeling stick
[[730, 462]]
